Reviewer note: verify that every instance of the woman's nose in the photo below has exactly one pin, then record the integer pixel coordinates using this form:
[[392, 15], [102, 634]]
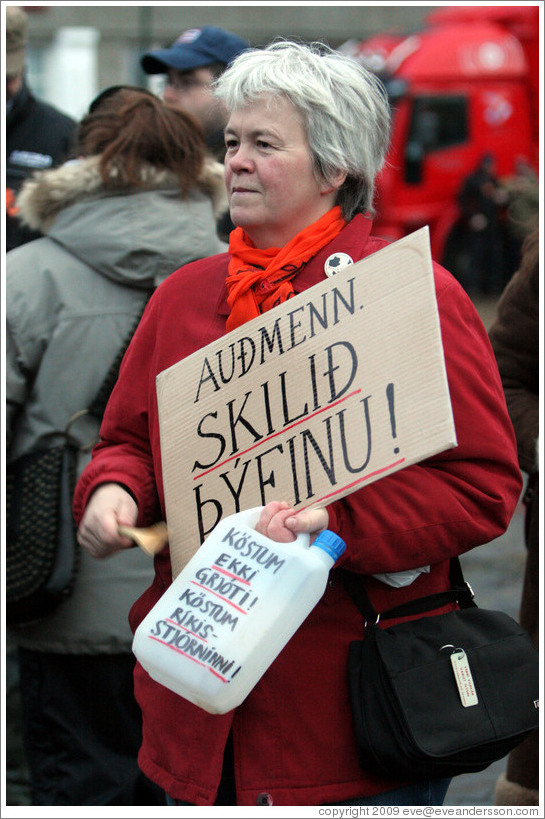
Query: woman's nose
[[240, 160]]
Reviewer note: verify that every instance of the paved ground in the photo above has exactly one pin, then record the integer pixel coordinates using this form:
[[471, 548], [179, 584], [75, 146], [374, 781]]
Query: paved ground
[[486, 307]]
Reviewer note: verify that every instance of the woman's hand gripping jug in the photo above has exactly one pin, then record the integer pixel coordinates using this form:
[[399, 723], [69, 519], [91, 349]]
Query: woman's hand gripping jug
[[231, 610]]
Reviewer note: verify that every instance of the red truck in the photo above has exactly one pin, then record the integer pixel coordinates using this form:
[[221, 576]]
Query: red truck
[[466, 85]]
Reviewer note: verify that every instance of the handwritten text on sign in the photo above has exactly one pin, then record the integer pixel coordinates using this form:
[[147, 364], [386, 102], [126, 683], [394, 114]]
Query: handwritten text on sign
[[339, 386]]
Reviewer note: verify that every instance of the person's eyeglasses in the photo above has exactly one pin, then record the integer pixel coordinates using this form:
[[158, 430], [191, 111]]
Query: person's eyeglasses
[[185, 82]]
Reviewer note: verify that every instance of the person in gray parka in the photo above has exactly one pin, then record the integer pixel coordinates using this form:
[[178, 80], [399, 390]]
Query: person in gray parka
[[140, 200]]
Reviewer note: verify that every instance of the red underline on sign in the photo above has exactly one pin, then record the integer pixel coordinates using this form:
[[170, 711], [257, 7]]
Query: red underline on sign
[[232, 576], [274, 435], [225, 600], [354, 483], [189, 657], [193, 634]]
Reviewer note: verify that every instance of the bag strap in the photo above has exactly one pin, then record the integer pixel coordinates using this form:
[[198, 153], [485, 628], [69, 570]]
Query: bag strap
[[98, 406], [460, 592]]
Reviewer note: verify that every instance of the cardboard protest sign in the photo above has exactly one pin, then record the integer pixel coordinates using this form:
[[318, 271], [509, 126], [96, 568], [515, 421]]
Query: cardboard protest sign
[[341, 385]]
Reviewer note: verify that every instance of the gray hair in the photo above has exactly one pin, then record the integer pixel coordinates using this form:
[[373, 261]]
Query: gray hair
[[344, 108]]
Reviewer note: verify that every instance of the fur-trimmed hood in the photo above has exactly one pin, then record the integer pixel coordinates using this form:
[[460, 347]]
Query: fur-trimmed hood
[[46, 193], [133, 236]]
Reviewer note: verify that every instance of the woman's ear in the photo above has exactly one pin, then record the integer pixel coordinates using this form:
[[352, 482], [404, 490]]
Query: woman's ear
[[333, 184]]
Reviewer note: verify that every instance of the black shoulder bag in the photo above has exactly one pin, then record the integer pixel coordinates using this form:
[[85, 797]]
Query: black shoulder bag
[[42, 552], [440, 695]]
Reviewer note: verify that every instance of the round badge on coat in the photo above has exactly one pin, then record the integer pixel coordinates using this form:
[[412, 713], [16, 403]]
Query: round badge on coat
[[337, 262]]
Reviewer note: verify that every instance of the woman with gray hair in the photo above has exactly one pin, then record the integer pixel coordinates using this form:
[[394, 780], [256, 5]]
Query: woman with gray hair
[[307, 133], [343, 108]]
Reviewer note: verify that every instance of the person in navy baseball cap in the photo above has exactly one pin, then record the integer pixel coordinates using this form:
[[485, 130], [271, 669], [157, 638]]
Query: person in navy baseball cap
[[195, 48], [191, 64]]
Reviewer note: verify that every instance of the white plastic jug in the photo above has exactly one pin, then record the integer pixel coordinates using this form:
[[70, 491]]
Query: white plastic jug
[[231, 610]]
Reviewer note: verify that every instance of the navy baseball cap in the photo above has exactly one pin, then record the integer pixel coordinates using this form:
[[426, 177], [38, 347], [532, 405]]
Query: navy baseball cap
[[195, 48]]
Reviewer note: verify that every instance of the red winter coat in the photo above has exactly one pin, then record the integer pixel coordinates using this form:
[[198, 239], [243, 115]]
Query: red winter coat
[[293, 736]]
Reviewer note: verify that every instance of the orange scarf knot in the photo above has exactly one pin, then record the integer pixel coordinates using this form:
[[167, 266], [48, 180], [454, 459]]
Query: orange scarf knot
[[259, 279]]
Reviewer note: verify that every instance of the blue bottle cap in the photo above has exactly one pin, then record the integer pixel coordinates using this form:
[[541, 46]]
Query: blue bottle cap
[[330, 543]]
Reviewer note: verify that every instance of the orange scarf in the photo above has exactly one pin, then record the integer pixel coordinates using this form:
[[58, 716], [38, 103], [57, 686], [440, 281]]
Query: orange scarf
[[259, 279]]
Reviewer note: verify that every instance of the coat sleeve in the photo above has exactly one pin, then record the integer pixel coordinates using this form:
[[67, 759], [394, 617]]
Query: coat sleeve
[[30, 321], [458, 499], [124, 454], [515, 340]]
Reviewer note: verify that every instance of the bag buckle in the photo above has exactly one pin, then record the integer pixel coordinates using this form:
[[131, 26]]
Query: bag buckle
[[366, 623]]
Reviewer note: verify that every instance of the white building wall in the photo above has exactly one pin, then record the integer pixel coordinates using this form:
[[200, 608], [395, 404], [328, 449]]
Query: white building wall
[[71, 69]]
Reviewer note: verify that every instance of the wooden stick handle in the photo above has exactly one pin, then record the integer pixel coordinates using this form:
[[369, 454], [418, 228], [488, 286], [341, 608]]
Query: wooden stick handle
[[151, 539]]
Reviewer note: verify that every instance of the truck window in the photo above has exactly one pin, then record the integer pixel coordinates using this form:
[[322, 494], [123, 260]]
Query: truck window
[[436, 123]]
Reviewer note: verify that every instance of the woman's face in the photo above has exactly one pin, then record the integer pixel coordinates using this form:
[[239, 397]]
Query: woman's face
[[273, 192]]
